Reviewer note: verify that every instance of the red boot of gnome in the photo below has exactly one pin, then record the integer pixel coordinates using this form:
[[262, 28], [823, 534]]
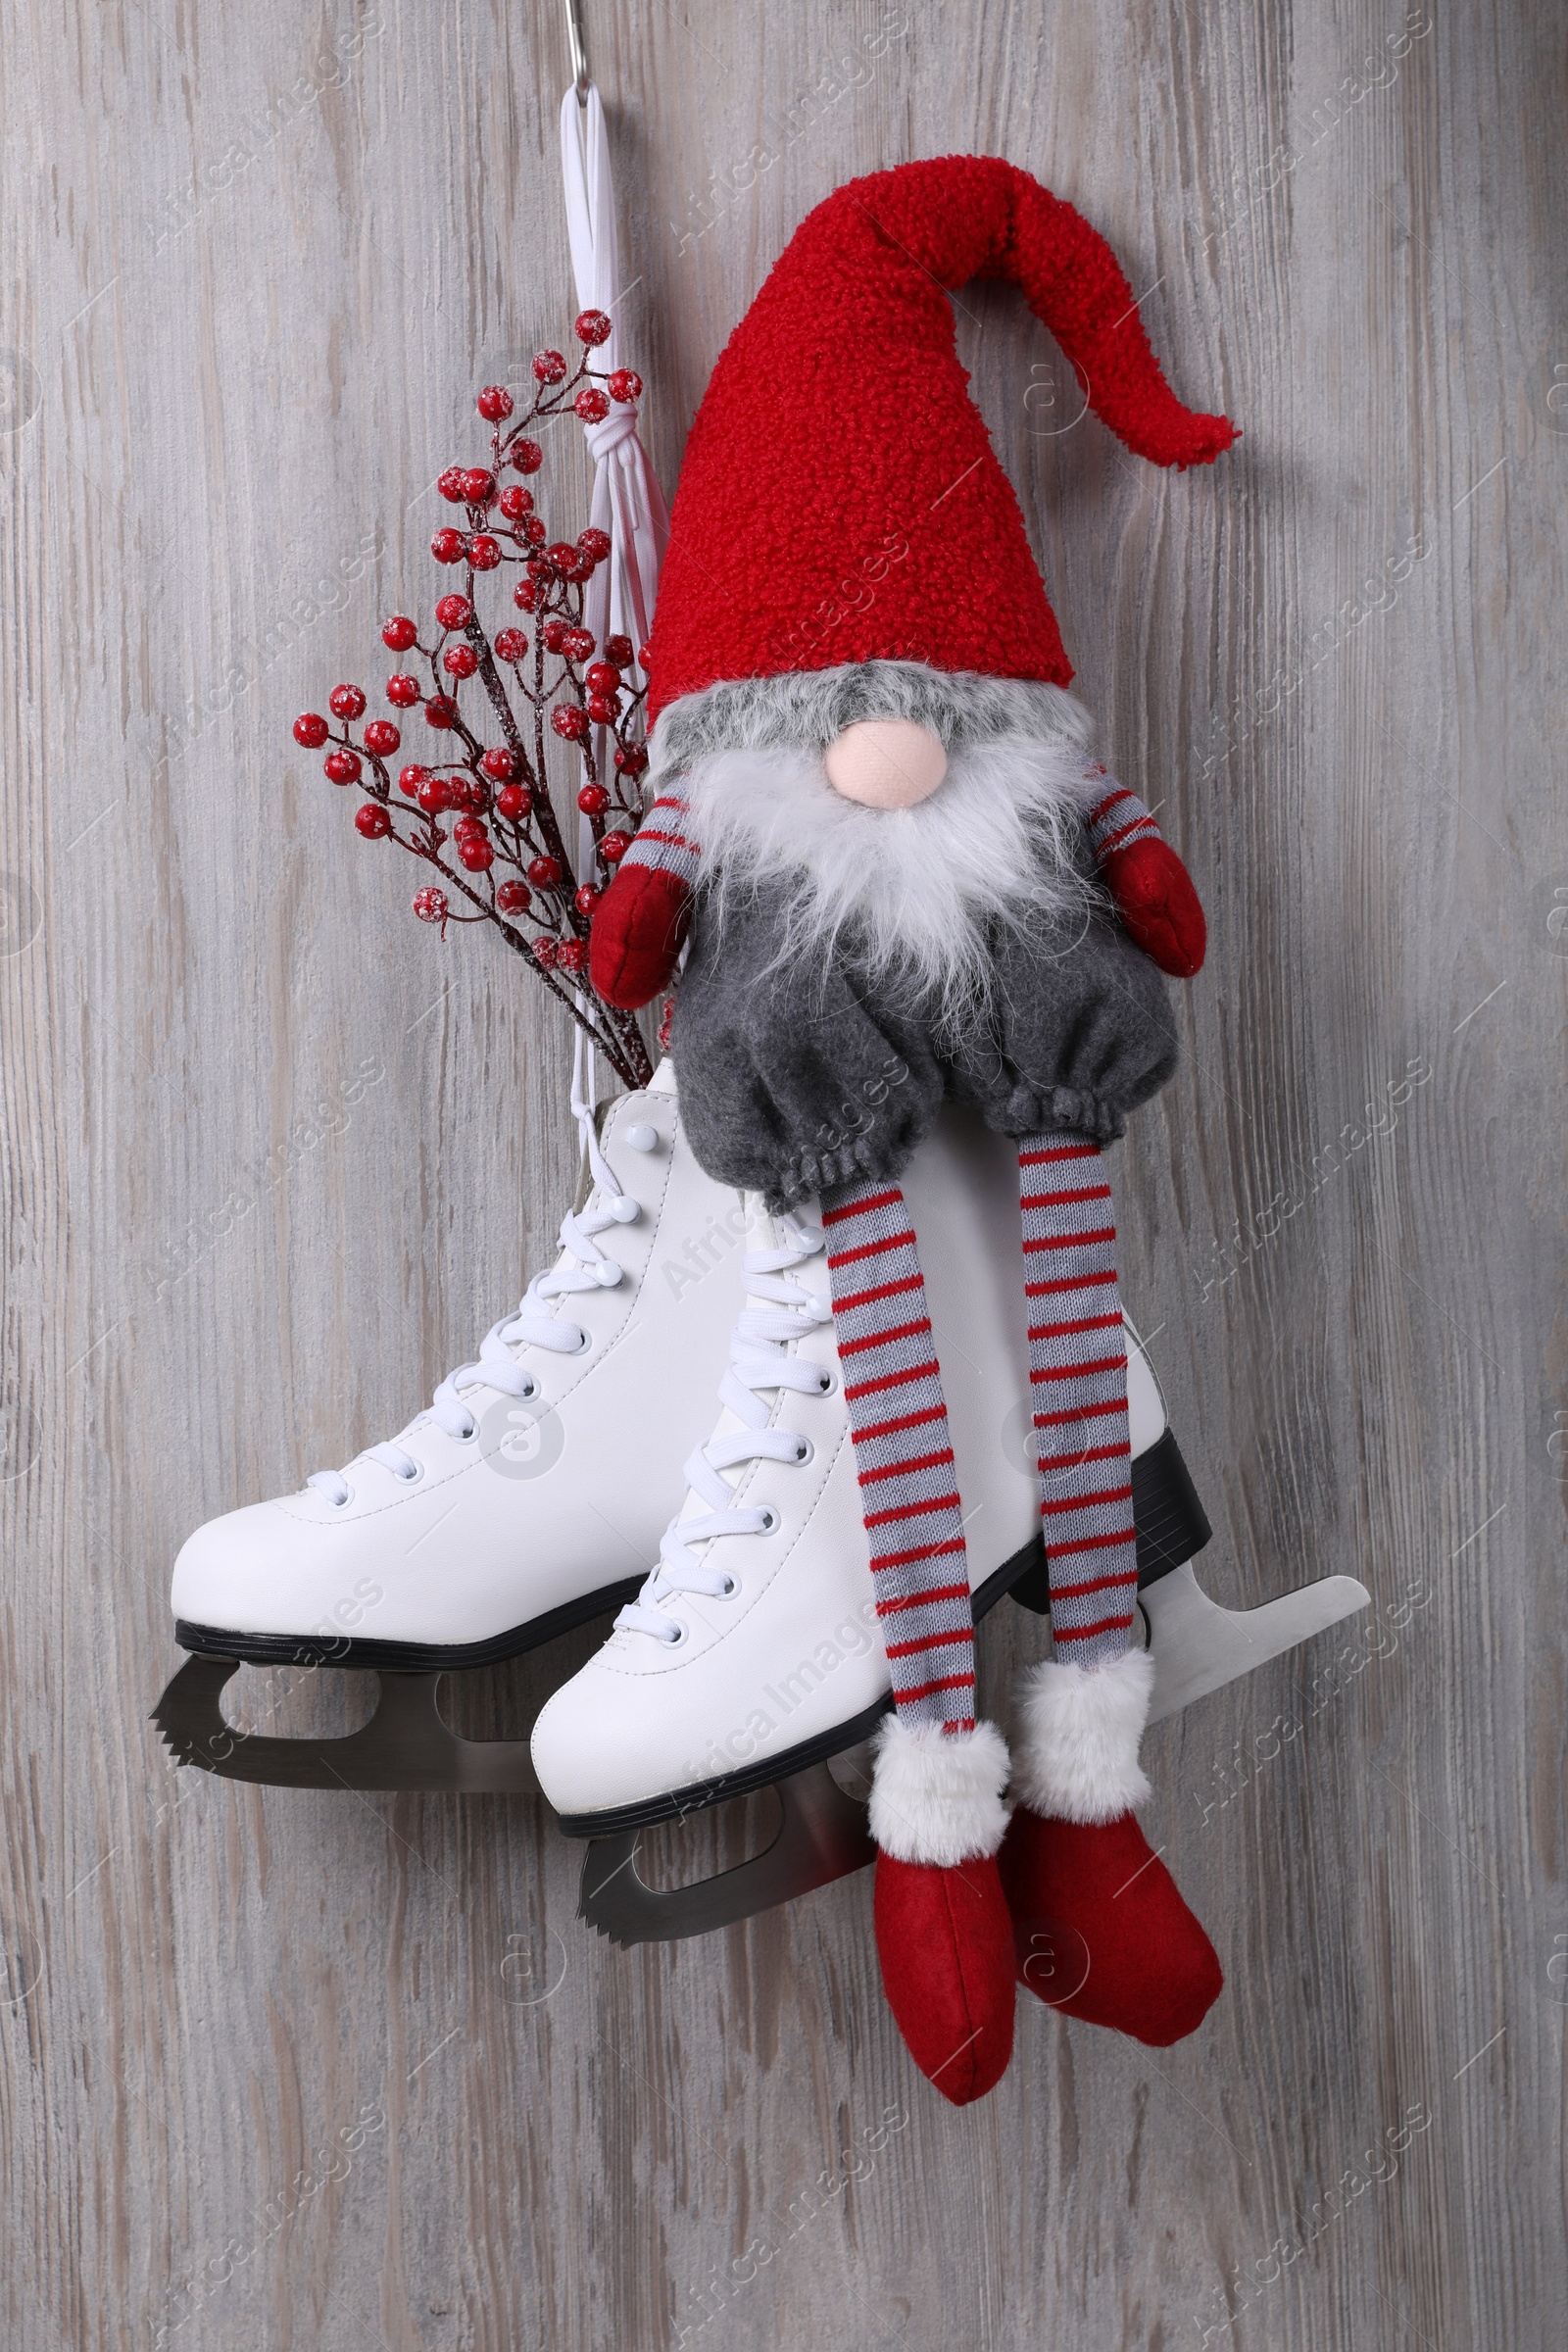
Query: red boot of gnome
[[944, 1935], [1100, 1930]]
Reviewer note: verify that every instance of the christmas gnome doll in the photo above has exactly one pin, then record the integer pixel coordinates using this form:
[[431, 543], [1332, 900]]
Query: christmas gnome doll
[[879, 822]]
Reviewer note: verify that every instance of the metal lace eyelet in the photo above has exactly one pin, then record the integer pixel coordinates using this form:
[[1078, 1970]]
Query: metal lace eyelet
[[825, 1382], [729, 1588], [469, 1435], [805, 1452], [413, 1474], [771, 1521], [530, 1392], [673, 1640]]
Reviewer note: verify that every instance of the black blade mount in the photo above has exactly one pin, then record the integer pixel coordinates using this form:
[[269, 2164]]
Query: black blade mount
[[406, 1745], [822, 1836]]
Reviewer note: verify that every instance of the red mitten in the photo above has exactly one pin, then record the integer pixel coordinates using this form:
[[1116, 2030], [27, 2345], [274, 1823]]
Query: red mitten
[[1102, 1933], [945, 1939], [1157, 902], [637, 935], [943, 1933]]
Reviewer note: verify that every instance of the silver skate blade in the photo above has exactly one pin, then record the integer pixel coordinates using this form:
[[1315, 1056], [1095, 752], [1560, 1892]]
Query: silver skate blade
[[406, 1745], [1199, 1646], [822, 1836]]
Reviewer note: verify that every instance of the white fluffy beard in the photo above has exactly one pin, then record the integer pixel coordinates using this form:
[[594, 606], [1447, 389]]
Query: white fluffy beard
[[912, 898]]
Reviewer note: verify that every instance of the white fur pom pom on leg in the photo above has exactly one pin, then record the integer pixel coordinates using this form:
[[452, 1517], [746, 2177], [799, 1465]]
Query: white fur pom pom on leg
[[937, 1795], [1078, 1738]]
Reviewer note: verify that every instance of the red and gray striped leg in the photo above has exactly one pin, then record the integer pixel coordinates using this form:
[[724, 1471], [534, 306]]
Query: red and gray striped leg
[[942, 1929], [899, 1422], [1099, 1929], [1078, 1381]]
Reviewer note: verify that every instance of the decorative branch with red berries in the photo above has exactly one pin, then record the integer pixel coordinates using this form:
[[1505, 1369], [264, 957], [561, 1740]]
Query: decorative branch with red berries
[[505, 855]]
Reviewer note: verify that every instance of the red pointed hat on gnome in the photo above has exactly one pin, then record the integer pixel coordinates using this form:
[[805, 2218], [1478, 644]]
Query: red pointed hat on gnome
[[840, 499]]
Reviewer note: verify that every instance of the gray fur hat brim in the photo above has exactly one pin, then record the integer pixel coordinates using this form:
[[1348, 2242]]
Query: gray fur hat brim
[[810, 708]]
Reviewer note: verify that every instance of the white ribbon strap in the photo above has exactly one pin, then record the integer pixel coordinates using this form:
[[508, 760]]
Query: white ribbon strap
[[627, 503]]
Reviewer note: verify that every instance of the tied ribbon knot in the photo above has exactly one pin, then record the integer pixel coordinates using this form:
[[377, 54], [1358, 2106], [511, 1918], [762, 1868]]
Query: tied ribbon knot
[[618, 426]]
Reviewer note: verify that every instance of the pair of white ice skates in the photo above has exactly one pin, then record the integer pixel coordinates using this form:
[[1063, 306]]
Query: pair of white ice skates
[[536, 1492]]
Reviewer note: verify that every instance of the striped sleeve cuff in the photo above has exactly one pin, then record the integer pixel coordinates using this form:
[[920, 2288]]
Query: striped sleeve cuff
[[1114, 817], [662, 841]]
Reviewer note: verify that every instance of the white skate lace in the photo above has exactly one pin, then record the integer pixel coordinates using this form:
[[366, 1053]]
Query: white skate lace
[[535, 1323], [759, 1360]]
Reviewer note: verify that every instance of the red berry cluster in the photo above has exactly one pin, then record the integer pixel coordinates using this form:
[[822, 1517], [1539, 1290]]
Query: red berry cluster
[[501, 847]]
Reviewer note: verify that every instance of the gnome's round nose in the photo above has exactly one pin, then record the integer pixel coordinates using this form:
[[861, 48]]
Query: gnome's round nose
[[886, 762]]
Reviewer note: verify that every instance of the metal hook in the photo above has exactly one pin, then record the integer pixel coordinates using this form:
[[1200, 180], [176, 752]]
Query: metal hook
[[582, 80]]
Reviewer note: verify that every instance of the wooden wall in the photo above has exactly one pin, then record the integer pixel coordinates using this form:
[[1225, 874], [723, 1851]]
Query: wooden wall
[[253, 264]]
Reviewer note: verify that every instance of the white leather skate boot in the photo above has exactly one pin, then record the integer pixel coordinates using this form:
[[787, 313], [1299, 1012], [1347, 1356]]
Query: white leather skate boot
[[529, 1496], [754, 1652]]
